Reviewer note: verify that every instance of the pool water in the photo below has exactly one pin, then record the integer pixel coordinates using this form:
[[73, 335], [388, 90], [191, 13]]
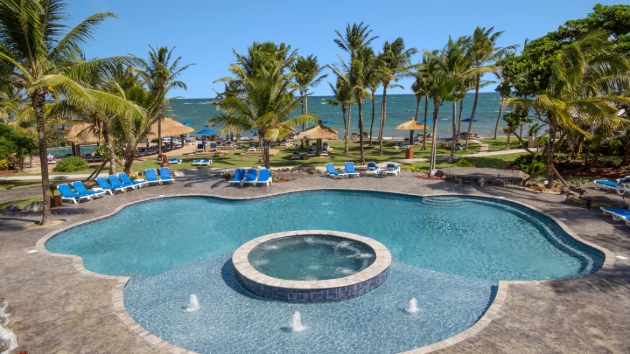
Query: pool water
[[448, 252], [314, 257]]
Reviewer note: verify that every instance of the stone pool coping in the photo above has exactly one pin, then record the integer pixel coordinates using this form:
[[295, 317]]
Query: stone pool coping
[[491, 313], [352, 286]]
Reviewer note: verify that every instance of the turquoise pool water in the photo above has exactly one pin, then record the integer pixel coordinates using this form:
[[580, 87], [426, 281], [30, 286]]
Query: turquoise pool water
[[315, 257], [449, 253]]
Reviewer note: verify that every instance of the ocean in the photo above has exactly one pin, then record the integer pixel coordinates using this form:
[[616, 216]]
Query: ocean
[[399, 109]]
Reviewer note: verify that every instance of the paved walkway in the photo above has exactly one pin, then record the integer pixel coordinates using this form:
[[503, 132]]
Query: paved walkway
[[479, 154], [56, 309]]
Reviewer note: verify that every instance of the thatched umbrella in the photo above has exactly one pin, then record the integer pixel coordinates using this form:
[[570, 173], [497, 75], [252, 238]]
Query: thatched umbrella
[[411, 125], [171, 128], [81, 134], [319, 132]]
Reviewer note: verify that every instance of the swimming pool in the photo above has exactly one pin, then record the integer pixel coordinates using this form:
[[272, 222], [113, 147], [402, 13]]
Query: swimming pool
[[449, 253]]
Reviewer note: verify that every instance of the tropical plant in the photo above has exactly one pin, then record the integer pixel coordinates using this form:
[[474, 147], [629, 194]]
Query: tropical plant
[[160, 76], [482, 52], [71, 164], [306, 73], [395, 64], [43, 58], [344, 99]]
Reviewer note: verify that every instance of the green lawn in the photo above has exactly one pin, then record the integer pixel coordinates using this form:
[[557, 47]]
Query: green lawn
[[498, 161], [21, 202], [7, 184], [498, 144]]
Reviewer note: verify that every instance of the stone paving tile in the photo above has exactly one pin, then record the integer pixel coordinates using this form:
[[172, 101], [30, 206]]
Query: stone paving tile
[[57, 309]]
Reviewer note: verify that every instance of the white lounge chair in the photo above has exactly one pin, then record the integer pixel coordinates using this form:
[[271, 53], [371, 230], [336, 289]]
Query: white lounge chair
[[372, 168], [392, 169]]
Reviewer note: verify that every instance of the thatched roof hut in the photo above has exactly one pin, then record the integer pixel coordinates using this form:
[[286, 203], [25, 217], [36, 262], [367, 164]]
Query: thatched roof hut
[[170, 127], [319, 132], [82, 134], [411, 124]]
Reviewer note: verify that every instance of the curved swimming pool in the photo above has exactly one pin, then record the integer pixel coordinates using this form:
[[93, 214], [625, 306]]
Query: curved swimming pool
[[449, 253]]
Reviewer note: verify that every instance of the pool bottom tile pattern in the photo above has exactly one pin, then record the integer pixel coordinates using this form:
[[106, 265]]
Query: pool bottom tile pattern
[[231, 319]]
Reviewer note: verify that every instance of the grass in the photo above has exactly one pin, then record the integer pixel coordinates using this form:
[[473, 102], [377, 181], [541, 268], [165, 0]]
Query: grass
[[498, 144], [498, 161], [21, 202], [9, 184]]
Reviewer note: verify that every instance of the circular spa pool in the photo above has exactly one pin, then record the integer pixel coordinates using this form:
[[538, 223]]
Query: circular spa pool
[[447, 254], [310, 266]]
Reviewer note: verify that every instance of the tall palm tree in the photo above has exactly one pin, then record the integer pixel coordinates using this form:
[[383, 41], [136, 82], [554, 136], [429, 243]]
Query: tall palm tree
[[373, 77], [269, 104], [160, 76], [396, 63], [306, 73], [482, 53], [43, 58], [585, 81], [344, 98], [419, 88], [439, 87], [356, 43]]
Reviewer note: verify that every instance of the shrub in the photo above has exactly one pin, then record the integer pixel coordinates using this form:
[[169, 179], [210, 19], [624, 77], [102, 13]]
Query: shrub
[[71, 164], [524, 160], [464, 163], [4, 165]]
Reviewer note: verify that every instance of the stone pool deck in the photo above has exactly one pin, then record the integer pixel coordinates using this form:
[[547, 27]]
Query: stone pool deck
[[57, 309]]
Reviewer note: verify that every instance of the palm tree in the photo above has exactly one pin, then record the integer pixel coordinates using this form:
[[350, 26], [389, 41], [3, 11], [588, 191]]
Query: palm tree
[[343, 98], [482, 51], [44, 58], [356, 43], [269, 104], [585, 81], [160, 76], [439, 87], [373, 77], [396, 63], [419, 88], [306, 73]]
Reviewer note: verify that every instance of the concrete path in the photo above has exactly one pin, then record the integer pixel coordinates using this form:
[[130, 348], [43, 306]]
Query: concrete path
[[480, 154]]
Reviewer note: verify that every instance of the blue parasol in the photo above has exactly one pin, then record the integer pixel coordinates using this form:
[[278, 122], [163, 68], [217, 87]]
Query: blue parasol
[[206, 132], [254, 131], [326, 122], [188, 124]]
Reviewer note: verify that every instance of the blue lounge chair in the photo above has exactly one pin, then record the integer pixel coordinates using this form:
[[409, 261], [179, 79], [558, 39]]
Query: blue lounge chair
[[265, 177], [350, 171], [126, 180], [252, 147], [81, 189], [324, 151], [68, 194], [310, 153], [102, 182], [330, 169], [239, 175], [295, 155], [621, 186], [616, 213], [165, 175], [151, 177], [114, 181], [213, 146], [252, 176], [201, 148], [392, 169], [372, 168], [174, 160]]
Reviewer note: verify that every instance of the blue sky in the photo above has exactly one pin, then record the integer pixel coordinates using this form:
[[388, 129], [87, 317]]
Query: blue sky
[[205, 32]]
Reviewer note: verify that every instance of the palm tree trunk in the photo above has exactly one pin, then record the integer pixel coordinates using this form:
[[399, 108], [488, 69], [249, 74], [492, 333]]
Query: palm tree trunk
[[383, 118], [459, 120], [426, 112], [580, 143], [416, 119], [345, 130], [474, 108], [372, 124], [360, 103], [520, 135], [159, 122], [550, 140], [38, 99], [598, 150], [436, 107], [450, 159], [507, 144], [303, 112], [110, 149], [496, 127], [626, 155], [131, 153], [347, 134]]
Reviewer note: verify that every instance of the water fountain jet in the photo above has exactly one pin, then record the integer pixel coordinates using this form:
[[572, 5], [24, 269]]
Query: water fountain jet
[[296, 323], [413, 306], [193, 304]]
